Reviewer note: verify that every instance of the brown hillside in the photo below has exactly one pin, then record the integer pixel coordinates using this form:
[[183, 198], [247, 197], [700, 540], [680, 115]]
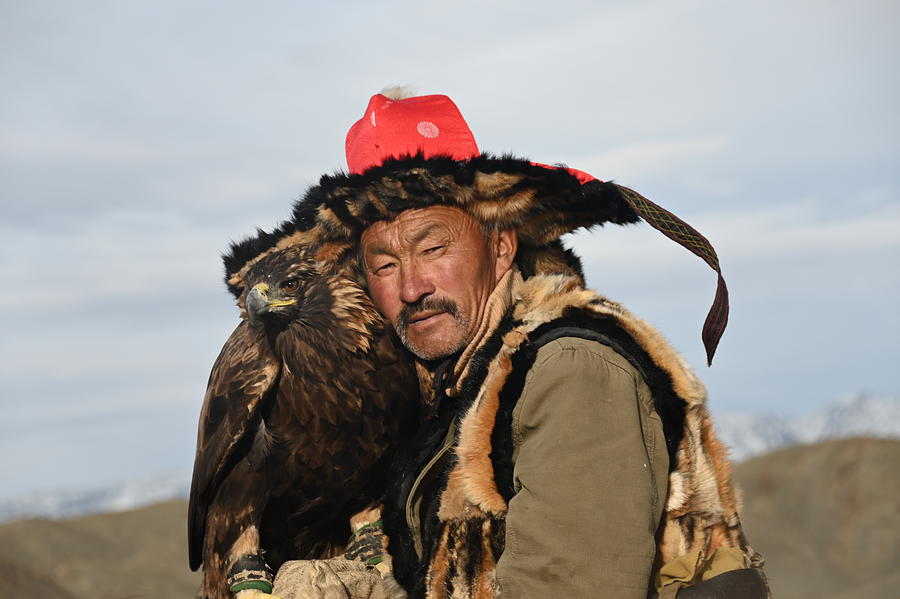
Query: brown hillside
[[827, 518], [141, 553], [19, 581]]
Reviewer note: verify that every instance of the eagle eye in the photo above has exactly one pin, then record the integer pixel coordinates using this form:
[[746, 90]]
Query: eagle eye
[[290, 285]]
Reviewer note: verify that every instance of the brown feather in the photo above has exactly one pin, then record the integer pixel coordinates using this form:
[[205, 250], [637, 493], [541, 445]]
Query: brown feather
[[303, 408], [240, 378]]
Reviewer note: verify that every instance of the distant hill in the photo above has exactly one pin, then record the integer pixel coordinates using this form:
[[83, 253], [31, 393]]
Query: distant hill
[[140, 553], [825, 516]]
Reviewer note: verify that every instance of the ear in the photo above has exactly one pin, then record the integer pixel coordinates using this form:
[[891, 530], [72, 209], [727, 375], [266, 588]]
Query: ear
[[506, 244]]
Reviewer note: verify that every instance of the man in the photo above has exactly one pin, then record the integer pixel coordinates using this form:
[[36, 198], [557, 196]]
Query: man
[[589, 455], [565, 447]]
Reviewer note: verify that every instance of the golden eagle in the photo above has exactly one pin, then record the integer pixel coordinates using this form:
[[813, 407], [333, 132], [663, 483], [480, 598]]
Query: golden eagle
[[303, 405]]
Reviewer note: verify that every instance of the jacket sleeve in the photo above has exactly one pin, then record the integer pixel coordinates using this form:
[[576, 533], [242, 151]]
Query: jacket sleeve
[[590, 478]]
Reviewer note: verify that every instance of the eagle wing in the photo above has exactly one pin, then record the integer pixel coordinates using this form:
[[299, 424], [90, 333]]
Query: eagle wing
[[242, 375]]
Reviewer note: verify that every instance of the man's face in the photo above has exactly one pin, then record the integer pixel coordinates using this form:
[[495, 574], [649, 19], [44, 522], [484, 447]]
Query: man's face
[[430, 272]]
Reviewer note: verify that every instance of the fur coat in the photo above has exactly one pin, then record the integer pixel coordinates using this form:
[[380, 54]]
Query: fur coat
[[465, 536]]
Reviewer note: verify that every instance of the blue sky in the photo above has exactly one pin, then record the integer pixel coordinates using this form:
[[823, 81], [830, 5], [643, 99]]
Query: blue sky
[[138, 139]]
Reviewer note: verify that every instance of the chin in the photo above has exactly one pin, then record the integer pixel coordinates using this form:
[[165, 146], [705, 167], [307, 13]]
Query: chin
[[433, 351], [427, 353]]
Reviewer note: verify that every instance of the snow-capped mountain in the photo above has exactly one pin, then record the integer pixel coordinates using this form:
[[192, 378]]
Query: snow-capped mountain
[[746, 434], [76, 502]]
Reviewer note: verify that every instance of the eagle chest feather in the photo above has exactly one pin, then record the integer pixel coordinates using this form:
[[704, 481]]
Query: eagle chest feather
[[317, 412]]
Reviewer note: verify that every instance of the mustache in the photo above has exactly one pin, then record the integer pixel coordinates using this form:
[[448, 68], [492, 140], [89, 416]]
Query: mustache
[[425, 304]]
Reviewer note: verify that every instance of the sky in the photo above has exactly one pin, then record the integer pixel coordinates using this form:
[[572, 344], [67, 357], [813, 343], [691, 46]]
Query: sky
[[138, 139]]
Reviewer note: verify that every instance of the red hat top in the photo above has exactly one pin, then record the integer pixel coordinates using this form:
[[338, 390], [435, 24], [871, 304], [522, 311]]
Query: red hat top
[[398, 128]]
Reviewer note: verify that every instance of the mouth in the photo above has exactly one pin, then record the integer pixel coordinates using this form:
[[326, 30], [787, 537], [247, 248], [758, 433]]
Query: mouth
[[281, 303], [426, 314], [421, 317]]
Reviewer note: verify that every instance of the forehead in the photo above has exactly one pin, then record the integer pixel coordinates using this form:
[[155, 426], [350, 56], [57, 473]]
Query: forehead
[[287, 260], [413, 225]]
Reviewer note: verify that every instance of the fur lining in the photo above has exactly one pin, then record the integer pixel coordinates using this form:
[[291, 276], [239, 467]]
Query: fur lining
[[473, 479]]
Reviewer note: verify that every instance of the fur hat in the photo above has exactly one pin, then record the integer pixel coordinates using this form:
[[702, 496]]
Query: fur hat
[[415, 152]]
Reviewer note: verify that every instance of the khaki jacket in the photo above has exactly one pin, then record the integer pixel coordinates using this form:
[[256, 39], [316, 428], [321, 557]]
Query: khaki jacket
[[590, 478], [566, 481]]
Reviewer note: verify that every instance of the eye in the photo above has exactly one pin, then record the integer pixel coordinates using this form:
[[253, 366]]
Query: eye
[[433, 249], [290, 285], [383, 268]]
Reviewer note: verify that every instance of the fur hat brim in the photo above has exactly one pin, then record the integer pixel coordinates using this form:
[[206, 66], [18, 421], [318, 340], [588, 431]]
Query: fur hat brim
[[541, 203]]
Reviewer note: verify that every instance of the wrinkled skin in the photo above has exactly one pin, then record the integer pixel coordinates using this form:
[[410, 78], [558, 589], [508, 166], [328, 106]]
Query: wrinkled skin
[[430, 272]]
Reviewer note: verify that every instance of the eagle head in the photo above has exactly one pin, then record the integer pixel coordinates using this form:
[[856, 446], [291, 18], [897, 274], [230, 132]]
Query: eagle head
[[284, 287]]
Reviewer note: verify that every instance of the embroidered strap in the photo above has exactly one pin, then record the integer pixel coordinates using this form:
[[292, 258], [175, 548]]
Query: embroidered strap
[[687, 236], [250, 572], [367, 544]]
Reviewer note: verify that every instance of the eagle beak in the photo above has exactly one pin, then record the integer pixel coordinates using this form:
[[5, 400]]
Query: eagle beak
[[258, 301]]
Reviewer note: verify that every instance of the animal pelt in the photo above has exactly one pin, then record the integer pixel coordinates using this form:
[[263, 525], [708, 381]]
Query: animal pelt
[[466, 525], [542, 203]]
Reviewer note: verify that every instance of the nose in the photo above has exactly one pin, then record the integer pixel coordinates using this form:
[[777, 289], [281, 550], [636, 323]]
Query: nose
[[415, 283]]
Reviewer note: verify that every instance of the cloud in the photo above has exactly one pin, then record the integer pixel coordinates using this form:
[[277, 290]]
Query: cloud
[[652, 157], [115, 312], [27, 146], [807, 230], [120, 255]]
